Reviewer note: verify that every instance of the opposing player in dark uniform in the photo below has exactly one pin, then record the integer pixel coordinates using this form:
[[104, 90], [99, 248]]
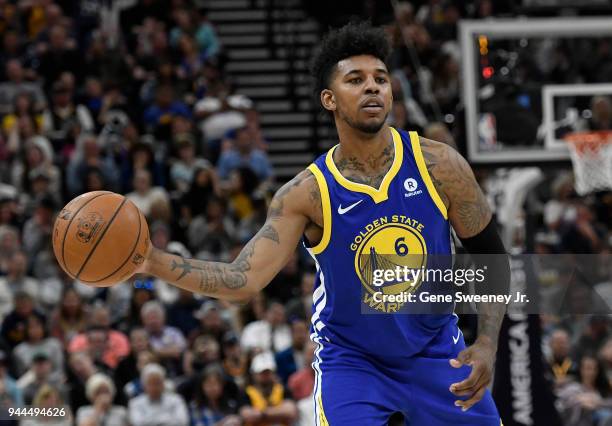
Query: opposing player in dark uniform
[[379, 191]]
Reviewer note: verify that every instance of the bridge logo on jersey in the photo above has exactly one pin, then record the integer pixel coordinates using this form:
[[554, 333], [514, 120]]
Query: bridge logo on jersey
[[388, 243]]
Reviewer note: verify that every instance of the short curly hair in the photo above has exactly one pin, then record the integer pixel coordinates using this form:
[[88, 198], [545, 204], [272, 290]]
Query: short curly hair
[[353, 39]]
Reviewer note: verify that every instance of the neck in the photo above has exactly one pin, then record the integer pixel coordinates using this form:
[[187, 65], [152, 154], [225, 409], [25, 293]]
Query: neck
[[365, 148]]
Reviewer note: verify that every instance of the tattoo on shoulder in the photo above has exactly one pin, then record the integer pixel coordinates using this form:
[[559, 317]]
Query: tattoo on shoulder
[[278, 201], [455, 182]]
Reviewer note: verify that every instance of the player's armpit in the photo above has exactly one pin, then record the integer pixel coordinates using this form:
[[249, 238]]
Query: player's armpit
[[258, 262], [468, 210]]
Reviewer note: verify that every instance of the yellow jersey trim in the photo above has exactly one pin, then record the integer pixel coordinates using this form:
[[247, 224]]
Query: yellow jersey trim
[[322, 417], [326, 204], [380, 194], [418, 156]]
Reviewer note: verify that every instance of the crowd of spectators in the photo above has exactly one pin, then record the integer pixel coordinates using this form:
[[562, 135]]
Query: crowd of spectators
[[133, 97]]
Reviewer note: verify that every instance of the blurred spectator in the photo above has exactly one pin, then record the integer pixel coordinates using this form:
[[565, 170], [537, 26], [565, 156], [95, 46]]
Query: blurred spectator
[[81, 368], [158, 117], [48, 397], [141, 157], [37, 230], [212, 323], [181, 312], [182, 171], [167, 342], [100, 391], [37, 155], [439, 132], [284, 285], [15, 281], [23, 108], [89, 156], [105, 345], [140, 296], [211, 234], [144, 195], [593, 336], [205, 34], [214, 404], [39, 374], [267, 401], [601, 109], [251, 224], [127, 370], [135, 386], [70, 317], [271, 333], [559, 361], [63, 121], [192, 59], [59, 56], [586, 401], [10, 393], [240, 188], [205, 351], [302, 382], [235, 361], [292, 359], [157, 405], [605, 355], [16, 85], [581, 234], [9, 244], [15, 323], [37, 341], [243, 153], [300, 306]]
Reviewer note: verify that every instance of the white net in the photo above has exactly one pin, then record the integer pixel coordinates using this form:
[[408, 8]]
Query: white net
[[591, 155]]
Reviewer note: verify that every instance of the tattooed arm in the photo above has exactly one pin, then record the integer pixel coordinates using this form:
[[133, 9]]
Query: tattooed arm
[[260, 259], [470, 216]]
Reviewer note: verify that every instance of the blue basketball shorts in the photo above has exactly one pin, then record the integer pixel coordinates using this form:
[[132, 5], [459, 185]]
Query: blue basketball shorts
[[353, 388]]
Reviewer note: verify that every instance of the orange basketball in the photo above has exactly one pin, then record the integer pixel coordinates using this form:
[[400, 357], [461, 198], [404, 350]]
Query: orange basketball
[[100, 238]]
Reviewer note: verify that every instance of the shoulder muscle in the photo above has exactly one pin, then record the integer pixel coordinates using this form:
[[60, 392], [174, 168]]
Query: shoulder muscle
[[454, 180]]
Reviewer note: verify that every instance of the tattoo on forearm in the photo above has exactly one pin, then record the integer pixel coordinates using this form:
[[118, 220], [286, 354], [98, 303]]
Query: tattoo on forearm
[[490, 317], [232, 276]]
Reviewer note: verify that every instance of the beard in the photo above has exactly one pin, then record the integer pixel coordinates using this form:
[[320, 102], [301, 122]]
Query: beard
[[370, 128]]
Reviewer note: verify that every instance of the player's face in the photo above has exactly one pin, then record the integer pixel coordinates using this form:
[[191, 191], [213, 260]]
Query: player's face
[[360, 93]]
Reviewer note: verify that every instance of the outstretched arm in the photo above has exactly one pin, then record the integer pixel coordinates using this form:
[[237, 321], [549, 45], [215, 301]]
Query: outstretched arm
[[471, 218], [258, 262]]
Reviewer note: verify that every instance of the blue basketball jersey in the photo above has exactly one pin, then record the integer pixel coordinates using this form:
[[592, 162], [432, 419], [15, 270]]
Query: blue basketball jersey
[[366, 228]]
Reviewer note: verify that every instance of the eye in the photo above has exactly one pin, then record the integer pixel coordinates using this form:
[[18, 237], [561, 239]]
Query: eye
[[381, 80], [356, 80]]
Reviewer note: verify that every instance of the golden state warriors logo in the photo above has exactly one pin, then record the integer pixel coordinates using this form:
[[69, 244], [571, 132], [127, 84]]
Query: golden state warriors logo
[[390, 243]]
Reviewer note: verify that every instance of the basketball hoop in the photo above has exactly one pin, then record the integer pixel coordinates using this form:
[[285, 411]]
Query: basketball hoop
[[591, 154]]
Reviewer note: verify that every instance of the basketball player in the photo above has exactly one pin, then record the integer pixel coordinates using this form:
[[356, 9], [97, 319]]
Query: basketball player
[[410, 190]]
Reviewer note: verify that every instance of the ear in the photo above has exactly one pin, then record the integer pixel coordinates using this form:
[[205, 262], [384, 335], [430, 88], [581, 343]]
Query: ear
[[328, 100]]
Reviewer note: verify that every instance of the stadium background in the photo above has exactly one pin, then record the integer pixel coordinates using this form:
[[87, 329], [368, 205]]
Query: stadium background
[[198, 111]]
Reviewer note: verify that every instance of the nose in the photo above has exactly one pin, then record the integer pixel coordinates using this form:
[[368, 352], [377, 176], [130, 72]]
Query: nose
[[372, 87]]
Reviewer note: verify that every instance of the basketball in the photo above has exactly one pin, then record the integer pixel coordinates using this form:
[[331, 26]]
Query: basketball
[[100, 238]]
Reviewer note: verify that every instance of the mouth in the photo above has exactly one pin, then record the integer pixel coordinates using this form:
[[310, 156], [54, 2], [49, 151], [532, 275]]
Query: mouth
[[373, 106]]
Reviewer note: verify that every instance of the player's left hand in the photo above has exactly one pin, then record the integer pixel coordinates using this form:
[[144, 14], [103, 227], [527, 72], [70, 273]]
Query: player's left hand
[[481, 357]]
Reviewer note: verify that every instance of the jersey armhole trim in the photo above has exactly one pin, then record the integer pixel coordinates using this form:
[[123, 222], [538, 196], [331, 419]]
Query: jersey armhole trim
[[418, 156], [326, 205]]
